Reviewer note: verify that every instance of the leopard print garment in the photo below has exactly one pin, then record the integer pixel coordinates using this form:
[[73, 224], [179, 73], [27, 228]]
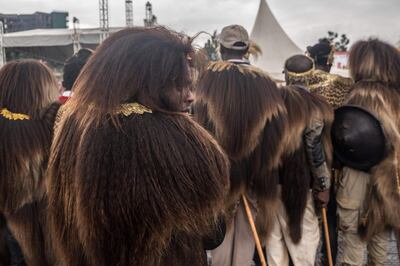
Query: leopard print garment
[[333, 88]]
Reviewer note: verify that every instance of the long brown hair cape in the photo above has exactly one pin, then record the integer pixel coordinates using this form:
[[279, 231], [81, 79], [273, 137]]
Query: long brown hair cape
[[28, 92], [382, 202], [375, 67], [302, 108], [242, 108], [133, 184]]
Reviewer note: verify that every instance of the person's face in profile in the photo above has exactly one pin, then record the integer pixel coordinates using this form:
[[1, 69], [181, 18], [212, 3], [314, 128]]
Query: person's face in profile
[[178, 100]]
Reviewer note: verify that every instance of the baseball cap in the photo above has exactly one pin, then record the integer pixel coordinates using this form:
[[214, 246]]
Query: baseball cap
[[234, 37]]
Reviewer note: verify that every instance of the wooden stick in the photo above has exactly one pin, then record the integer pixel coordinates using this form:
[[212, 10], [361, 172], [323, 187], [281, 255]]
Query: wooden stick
[[397, 235], [254, 231], [327, 240]]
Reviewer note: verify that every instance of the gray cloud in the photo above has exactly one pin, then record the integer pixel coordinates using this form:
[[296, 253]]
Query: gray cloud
[[304, 20]]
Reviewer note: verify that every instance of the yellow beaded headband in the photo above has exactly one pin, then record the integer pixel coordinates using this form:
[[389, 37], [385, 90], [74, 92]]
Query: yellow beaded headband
[[302, 74], [297, 75]]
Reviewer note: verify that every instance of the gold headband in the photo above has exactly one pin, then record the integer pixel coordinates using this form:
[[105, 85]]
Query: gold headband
[[302, 74], [13, 116], [299, 75]]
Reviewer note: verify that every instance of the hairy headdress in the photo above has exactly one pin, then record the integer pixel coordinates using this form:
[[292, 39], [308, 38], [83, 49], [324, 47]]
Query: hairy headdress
[[243, 105], [243, 109], [131, 181], [375, 66], [28, 91]]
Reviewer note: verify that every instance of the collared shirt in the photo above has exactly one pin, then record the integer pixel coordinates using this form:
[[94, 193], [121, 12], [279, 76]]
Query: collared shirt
[[239, 61]]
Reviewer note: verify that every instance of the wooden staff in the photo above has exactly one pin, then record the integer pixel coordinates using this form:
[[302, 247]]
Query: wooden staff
[[254, 231], [397, 235], [327, 240]]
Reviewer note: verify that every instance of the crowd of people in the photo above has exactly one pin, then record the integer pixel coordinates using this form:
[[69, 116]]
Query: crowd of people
[[151, 157]]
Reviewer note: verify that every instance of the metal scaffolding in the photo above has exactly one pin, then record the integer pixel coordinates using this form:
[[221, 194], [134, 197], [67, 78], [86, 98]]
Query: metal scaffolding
[[150, 19], [104, 23], [2, 50], [129, 13], [76, 35]]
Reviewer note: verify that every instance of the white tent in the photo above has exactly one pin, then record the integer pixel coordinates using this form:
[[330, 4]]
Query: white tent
[[53, 45], [275, 44], [51, 37]]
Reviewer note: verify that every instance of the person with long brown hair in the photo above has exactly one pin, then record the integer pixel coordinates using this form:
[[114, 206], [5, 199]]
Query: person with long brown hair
[[304, 179], [132, 180], [301, 70], [28, 106], [241, 106], [368, 195]]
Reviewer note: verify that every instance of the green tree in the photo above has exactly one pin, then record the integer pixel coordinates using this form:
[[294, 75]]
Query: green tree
[[211, 47], [340, 42]]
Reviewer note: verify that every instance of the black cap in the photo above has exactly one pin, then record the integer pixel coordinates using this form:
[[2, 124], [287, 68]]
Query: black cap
[[358, 138]]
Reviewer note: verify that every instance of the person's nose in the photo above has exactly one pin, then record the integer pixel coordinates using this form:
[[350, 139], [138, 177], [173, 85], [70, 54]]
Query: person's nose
[[190, 97]]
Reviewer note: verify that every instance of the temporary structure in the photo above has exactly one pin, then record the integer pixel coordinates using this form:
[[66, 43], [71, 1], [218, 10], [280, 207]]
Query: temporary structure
[[50, 37], [53, 45], [275, 44]]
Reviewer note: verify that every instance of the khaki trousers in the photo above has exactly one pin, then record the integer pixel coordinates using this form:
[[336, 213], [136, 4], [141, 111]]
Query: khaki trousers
[[350, 196], [238, 246], [280, 245]]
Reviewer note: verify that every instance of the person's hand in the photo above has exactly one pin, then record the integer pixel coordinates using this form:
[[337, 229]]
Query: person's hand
[[321, 198]]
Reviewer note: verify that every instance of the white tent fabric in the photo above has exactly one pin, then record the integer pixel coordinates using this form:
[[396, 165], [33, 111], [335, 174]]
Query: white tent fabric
[[275, 44], [52, 37]]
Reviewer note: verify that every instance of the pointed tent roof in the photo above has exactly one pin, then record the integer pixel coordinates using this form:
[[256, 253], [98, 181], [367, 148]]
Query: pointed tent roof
[[275, 44]]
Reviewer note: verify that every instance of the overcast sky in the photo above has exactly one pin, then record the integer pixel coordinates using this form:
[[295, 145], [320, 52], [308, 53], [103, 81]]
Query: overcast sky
[[303, 20]]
